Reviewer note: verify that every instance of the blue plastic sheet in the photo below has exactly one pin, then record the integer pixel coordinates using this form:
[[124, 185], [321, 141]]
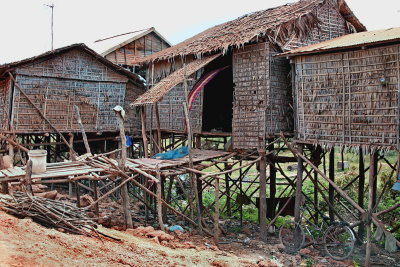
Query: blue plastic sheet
[[173, 154]]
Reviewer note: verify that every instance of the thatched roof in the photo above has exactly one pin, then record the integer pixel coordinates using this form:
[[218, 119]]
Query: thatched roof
[[355, 40], [158, 91], [52, 53], [278, 24]]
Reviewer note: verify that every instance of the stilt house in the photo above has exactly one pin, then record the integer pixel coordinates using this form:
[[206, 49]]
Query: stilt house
[[126, 49], [250, 98], [347, 90], [56, 81]]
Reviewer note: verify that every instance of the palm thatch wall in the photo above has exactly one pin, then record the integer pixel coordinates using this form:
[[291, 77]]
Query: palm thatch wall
[[341, 99]]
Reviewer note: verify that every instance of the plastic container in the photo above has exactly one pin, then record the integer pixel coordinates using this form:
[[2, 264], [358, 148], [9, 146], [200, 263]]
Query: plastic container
[[38, 158]]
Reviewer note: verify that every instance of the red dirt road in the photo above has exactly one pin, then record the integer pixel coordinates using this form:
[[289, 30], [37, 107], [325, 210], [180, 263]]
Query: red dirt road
[[25, 243]]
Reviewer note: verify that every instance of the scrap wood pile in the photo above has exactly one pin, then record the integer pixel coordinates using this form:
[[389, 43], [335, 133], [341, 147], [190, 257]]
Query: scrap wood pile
[[48, 212]]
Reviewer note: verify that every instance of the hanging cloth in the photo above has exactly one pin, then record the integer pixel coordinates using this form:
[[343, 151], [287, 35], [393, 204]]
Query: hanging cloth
[[201, 83]]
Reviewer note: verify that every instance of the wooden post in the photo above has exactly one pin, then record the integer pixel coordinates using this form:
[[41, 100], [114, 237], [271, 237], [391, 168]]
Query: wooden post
[[78, 194], [316, 194], [361, 184], [189, 131], [96, 197], [262, 195], [143, 120], [372, 171], [216, 219], [72, 157], [160, 147], [159, 199], [228, 192], [125, 196], [85, 140], [375, 184], [332, 177], [272, 180], [299, 184], [28, 177], [4, 185]]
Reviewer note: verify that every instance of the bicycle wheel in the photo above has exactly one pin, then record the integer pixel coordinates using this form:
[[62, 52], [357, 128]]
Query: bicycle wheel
[[338, 242], [291, 236]]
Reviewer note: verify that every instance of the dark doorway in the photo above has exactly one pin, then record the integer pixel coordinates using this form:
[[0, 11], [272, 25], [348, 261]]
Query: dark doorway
[[218, 96]]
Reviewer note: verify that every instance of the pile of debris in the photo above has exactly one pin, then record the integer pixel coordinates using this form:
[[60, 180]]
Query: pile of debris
[[48, 212]]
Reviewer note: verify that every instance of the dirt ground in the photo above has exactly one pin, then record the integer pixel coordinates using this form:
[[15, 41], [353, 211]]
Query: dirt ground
[[26, 243]]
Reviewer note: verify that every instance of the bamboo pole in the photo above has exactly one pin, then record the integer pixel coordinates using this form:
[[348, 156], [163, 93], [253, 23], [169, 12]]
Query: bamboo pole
[[361, 184], [12, 142]]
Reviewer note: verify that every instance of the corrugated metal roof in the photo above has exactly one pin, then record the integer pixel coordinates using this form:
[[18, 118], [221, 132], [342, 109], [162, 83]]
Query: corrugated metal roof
[[110, 44], [158, 91], [349, 41]]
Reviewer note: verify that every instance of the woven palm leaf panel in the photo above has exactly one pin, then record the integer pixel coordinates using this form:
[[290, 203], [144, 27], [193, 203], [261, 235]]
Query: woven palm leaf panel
[[251, 93], [4, 103], [331, 25], [57, 84], [342, 101]]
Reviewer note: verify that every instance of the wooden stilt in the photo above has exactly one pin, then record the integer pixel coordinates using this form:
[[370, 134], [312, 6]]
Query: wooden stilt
[[332, 178], [85, 140], [375, 185], [272, 180], [299, 184], [78, 194], [143, 121], [4, 185], [121, 165], [316, 194], [159, 200], [28, 177], [216, 219], [361, 185], [262, 194], [372, 172]]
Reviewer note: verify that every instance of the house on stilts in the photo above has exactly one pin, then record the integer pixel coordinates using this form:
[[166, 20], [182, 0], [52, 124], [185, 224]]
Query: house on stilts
[[53, 83], [238, 88]]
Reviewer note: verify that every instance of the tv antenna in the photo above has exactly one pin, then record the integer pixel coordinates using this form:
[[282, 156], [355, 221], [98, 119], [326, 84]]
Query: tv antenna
[[52, 19]]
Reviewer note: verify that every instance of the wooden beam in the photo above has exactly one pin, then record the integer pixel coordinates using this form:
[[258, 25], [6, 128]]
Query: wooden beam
[[299, 185], [370, 205], [143, 121]]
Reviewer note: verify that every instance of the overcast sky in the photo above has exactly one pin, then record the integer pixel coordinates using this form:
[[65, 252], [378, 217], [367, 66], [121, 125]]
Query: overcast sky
[[26, 23]]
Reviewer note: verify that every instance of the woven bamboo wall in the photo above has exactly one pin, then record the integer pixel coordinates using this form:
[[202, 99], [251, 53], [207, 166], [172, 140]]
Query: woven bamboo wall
[[341, 100], [4, 103], [137, 49], [251, 95], [279, 112], [55, 85], [171, 109], [332, 25], [132, 116]]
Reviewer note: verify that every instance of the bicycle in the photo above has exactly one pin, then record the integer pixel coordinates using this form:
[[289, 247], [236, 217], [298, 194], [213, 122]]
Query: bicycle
[[337, 240]]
